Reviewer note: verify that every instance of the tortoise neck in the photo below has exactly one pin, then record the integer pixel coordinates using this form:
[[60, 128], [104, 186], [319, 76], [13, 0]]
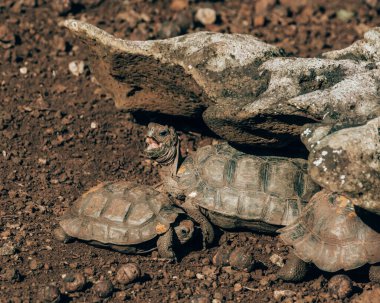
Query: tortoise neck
[[170, 169]]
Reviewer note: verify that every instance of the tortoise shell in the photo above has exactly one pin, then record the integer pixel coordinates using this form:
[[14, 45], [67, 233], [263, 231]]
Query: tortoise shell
[[120, 213], [234, 184], [332, 235]]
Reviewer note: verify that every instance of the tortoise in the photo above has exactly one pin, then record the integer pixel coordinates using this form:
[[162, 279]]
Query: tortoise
[[229, 188], [334, 235], [126, 217], [345, 158]]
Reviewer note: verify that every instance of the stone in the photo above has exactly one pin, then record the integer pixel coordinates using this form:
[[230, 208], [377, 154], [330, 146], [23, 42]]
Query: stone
[[346, 160], [340, 286], [206, 16], [74, 282], [279, 295], [8, 249], [241, 259], [178, 5], [277, 260], [128, 273], [76, 67], [246, 91], [344, 15], [103, 288], [23, 70], [49, 294], [368, 296]]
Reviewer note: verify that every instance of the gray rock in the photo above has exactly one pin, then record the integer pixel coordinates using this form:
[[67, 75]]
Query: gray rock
[[347, 161], [247, 91]]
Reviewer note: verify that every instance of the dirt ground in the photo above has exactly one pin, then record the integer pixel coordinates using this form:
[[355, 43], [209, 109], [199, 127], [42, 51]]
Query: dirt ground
[[60, 134]]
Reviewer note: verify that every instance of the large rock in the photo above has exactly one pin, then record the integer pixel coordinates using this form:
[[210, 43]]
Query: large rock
[[347, 161], [247, 91]]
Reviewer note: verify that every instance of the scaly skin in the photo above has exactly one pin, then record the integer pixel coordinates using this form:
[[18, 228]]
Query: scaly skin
[[374, 273], [191, 208], [294, 270], [165, 245]]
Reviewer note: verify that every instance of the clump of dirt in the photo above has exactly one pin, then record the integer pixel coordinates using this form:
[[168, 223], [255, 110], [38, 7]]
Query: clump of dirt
[[60, 134]]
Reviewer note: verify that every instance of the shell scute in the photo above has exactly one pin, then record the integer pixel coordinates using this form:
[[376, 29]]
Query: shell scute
[[116, 209], [214, 171], [94, 206], [139, 214], [229, 200], [99, 230], [252, 206], [281, 176], [120, 213], [330, 234], [248, 174]]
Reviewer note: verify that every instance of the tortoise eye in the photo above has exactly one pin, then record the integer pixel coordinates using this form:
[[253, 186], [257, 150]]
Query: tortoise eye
[[164, 133]]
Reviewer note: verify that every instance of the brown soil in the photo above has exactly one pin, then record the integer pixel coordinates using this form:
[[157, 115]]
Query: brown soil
[[60, 135]]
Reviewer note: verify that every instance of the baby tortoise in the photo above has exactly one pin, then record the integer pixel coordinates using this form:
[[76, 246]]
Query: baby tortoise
[[126, 217], [333, 235], [230, 188], [346, 159]]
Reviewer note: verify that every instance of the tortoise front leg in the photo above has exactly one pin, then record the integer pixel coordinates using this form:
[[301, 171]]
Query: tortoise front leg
[[192, 209], [294, 270], [165, 245], [61, 235], [374, 273]]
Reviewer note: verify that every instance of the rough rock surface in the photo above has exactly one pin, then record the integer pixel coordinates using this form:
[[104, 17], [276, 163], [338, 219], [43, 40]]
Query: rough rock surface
[[247, 91], [347, 161]]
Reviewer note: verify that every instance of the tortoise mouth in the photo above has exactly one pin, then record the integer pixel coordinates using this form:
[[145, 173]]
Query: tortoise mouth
[[154, 149], [152, 144]]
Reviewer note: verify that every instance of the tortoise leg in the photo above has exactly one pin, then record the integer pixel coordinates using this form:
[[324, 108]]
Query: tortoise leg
[[294, 270], [61, 236], [165, 245], [374, 273], [193, 211]]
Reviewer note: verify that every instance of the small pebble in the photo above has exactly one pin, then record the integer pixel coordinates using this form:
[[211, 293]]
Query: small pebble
[[76, 67], [23, 70], [50, 294], [199, 299], [241, 259], [7, 249], [238, 287], [42, 161], [282, 294], [340, 286], [277, 260], [189, 274], [221, 258], [74, 282], [344, 15], [206, 16], [128, 273], [121, 296], [103, 288], [33, 264], [177, 5], [368, 296], [12, 275]]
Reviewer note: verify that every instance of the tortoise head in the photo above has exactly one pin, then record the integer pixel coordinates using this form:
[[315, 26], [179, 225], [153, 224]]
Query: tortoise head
[[184, 230], [161, 143]]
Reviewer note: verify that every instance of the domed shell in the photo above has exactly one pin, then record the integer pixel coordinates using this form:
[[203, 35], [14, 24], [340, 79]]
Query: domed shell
[[228, 182], [330, 234], [120, 213]]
